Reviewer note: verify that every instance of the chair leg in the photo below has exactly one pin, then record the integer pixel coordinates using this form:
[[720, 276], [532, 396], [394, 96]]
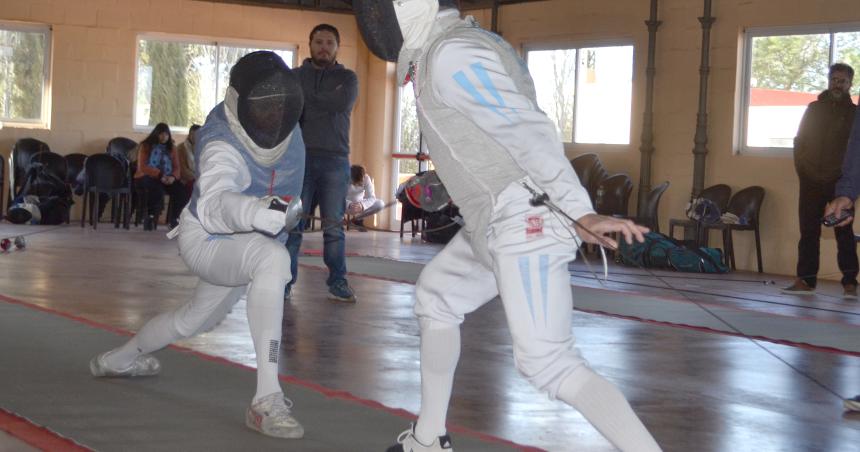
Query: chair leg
[[84, 208], [758, 249], [731, 247], [94, 210]]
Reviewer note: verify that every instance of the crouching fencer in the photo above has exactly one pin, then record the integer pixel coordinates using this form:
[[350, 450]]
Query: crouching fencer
[[478, 112], [250, 159]]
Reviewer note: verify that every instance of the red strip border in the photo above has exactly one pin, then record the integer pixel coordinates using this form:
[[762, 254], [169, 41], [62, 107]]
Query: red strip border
[[35, 435]]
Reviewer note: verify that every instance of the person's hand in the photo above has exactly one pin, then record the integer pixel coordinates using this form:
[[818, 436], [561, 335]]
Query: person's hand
[[168, 180], [269, 218], [354, 208], [599, 226], [838, 207]]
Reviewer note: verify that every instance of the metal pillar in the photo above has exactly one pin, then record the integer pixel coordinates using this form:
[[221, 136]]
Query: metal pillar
[[647, 139], [700, 150]]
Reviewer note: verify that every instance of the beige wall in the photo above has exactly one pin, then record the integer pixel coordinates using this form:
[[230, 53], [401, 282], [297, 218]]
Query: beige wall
[[676, 97]]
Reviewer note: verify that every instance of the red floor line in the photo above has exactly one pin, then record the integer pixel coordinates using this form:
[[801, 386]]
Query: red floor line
[[35, 435], [703, 329], [328, 392]]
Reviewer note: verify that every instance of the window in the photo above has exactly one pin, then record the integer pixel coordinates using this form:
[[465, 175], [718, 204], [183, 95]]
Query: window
[[585, 91], [785, 70], [408, 139], [179, 82], [24, 60]]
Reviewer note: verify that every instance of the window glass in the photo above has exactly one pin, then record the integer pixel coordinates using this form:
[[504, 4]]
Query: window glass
[[22, 74]]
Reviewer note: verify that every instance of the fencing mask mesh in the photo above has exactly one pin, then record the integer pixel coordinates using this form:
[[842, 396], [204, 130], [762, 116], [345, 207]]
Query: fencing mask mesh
[[270, 97], [378, 24]]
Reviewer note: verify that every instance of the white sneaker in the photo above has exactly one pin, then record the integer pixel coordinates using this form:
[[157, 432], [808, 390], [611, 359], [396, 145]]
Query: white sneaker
[[406, 442], [271, 416], [142, 366]]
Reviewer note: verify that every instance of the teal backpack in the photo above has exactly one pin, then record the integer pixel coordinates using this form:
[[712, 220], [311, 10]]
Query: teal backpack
[[660, 251]]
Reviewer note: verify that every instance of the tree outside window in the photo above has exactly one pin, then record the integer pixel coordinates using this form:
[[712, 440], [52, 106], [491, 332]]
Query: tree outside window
[[22, 73], [178, 83], [786, 72], [586, 92]]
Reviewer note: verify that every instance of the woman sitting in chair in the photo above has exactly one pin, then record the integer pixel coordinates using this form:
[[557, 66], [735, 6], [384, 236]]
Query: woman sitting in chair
[[361, 202], [158, 173]]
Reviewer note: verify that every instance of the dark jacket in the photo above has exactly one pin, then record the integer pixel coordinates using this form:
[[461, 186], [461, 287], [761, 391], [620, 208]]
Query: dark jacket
[[330, 94], [822, 137]]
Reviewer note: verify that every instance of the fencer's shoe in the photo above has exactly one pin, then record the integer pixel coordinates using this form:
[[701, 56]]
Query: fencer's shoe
[[272, 416], [849, 291], [340, 291], [406, 442], [799, 288], [142, 366], [852, 404]]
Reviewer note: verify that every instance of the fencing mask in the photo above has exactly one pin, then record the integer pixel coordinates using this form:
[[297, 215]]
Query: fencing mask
[[269, 98], [389, 25]]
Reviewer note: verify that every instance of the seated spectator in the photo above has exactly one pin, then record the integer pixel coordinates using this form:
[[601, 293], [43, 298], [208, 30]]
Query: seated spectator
[[187, 173], [360, 199], [158, 173]]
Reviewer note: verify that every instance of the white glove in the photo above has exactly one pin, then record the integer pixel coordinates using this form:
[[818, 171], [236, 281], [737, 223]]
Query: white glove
[[267, 219]]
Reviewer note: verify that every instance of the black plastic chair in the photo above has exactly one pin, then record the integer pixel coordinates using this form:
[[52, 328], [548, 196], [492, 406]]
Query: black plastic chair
[[121, 146], [591, 173], [18, 161], [745, 204], [105, 174], [413, 215], [74, 166], [613, 195], [718, 194], [650, 208]]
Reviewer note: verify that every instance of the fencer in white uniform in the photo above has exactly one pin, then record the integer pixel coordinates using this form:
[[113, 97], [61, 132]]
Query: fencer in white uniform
[[231, 234], [479, 116]]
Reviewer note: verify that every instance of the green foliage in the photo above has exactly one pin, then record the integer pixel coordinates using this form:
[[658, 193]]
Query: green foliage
[[169, 97], [791, 63], [410, 135], [21, 74]]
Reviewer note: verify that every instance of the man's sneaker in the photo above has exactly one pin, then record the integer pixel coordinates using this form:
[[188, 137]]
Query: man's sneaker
[[406, 442], [271, 416], [852, 404], [288, 292], [340, 290], [849, 291], [799, 288], [142, 366]]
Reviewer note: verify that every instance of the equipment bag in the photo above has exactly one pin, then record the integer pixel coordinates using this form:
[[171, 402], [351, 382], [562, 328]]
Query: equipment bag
[[663, 252]]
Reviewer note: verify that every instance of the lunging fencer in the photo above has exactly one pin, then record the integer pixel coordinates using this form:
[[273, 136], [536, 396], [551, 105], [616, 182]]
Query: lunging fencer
[[251, 159], [478, 112]]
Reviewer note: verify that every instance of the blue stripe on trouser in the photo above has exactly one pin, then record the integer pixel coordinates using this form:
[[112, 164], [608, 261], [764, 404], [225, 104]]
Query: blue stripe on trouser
[[525, 274]]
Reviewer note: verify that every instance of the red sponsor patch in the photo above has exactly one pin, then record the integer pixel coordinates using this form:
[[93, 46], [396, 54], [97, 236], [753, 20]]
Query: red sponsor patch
[[534, 226]]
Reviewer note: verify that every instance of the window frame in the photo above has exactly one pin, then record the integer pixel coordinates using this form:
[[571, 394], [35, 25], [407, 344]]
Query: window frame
[[203, 40], [746, 73], [583, 44], [44, 121]]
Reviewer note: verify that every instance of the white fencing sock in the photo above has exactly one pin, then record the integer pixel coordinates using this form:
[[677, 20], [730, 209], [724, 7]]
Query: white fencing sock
[[265, 312], [607, 410], [440, 351]]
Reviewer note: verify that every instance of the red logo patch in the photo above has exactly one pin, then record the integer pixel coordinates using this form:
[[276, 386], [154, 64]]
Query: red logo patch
[[534, 226]]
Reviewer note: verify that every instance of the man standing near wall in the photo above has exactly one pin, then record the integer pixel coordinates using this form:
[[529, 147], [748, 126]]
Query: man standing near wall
[[330, 91], [818, 152]]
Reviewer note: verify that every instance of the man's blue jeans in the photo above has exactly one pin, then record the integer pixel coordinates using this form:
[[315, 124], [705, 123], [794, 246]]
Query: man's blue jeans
[[325, 184]]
